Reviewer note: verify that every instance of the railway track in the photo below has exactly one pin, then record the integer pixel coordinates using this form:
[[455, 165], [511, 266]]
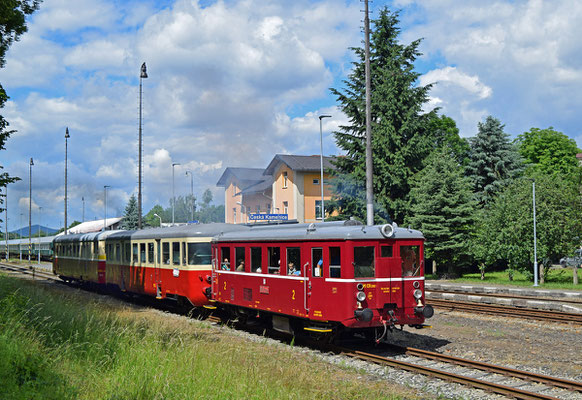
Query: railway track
[[476, 374], [562, 300], [507, 311], [28, 271]]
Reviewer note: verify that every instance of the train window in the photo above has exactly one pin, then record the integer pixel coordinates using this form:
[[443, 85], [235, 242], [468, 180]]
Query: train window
[[176, 253], [117, 251], [256, 259], [385, 251], [166, 253], [410, 256], [224, 257], [135, 253], [200, 253], [142, 253], [127, 253], [317, 262], [364, 262], [293, 261], [239, 254], [334, 262], [274, 254], [151, 252]]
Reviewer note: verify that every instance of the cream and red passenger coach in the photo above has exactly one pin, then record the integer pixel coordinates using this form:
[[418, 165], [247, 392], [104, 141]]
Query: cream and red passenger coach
[[172, 262], [324, 277]]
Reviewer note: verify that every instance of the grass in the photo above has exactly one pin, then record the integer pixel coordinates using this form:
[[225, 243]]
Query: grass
[[558, 278], [58, 343]]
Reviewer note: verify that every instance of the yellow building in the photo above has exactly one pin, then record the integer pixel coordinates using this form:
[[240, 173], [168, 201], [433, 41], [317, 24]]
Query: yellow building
[[289, 188]]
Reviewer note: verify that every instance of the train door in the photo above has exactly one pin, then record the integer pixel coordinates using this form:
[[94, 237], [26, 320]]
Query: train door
[[315, 283], [157, 269]]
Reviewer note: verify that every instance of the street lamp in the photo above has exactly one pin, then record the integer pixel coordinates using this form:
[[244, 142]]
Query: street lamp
[[30, 209], [173, 194], [67, 136], [191, 193], [105, 195], [535, 240], [156, 215], [143, 74], [321, 117]]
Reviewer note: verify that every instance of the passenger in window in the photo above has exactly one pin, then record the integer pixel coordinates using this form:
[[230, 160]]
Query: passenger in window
[[318, 268], [241, 266], [408, 261], [225, 264], [258, 270]]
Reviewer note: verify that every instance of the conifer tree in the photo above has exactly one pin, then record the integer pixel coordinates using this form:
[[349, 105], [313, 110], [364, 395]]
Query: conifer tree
[[400, 136], [442, 205], [494, 161], [131, 216]]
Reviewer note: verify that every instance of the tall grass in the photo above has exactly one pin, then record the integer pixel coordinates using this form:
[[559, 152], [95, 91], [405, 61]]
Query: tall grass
[[62, 344]]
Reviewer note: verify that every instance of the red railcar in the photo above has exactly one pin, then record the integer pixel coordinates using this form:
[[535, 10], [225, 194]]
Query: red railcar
[[328, 277], [172, 262]]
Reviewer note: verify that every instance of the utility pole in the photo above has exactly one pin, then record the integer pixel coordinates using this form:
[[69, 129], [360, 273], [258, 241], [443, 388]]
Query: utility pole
[[67, 136], [30, 210], [369, 164], [143, 74]]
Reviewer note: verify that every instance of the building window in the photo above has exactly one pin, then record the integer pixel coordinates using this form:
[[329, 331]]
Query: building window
[[316, 181], [234, 215], [285, 207], [285, 178], [258, 209], [317, 209], [268, 208]]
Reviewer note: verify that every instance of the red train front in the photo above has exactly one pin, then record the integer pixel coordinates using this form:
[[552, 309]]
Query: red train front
[[326, 278]]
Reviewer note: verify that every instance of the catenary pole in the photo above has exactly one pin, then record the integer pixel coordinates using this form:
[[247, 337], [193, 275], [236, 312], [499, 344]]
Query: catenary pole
[[369, 164]]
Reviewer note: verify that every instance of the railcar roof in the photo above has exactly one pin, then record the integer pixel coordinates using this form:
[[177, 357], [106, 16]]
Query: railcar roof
[[180, 231], [340, 230], [43, 239], [85, 237]]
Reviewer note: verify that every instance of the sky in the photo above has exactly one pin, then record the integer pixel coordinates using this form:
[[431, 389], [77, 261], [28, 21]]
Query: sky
[[232, 83]]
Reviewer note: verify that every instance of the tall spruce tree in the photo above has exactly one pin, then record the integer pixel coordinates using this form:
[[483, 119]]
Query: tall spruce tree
[[400, 136], [494, 161], [442, 205], [131, 216]]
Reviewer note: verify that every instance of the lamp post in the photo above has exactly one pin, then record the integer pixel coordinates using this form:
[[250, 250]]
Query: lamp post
[[321, 117], [173, 194], [535, 239], [67, 136], [143, 74], [156, 215], [30, 209], [105, 195], [191, 194]]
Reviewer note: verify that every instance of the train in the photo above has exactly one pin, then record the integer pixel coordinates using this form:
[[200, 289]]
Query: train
[[327, 279], [41, 248]]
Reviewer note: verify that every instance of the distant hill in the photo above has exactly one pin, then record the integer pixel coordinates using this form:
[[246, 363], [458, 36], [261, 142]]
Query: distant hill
[[35, 229]]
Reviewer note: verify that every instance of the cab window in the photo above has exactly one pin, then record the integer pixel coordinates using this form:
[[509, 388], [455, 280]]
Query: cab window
[[199, 253], [410, 256], [317, 262], [334, 262], [364, 262]]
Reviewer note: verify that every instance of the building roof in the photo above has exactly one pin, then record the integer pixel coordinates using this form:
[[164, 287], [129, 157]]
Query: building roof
[[91, 226], [298, 163], [243, 175]]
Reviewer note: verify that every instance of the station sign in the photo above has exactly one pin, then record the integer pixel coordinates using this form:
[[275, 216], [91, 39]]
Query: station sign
[[268, 217]]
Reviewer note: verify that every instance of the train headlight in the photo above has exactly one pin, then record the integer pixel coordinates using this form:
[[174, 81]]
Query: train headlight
[[417, 294], [361, 296]]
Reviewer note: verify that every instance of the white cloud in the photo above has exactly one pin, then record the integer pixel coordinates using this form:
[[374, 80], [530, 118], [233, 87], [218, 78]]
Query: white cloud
[[453, 76]]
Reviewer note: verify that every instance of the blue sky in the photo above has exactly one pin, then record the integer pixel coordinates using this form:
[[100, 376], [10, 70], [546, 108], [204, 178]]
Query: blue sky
[[232, 83]]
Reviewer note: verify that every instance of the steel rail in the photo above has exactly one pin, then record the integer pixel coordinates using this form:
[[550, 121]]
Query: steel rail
[[511, 372], [508, 296], [508, 311], [29, 271]]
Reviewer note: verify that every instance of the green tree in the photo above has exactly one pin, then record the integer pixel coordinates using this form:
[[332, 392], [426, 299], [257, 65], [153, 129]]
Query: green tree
[[400, 136], [494, 161], [442, 206], [131, 215], [505, 227], [12, 25], [445, 133], [150, 218], [548, 151]]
